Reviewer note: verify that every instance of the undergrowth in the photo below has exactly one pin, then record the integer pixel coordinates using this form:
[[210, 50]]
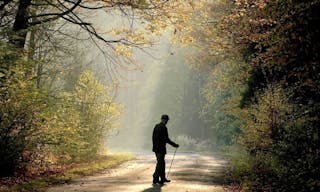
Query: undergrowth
[[65, 174]]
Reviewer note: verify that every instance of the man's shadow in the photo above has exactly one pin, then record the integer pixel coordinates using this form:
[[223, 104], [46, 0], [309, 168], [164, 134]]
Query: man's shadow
[[154, 188]]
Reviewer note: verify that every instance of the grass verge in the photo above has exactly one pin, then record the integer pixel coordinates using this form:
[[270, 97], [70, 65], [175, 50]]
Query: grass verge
[[39, 184]]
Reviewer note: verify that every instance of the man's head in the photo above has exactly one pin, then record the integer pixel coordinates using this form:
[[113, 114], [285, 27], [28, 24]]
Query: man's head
[[165, 119]]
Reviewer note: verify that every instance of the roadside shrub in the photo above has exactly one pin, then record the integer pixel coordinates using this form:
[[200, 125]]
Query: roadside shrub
[[282, 145], [21, 106]]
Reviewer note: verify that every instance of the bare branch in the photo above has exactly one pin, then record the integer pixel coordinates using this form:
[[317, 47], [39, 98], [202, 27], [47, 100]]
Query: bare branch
[[56, 15]]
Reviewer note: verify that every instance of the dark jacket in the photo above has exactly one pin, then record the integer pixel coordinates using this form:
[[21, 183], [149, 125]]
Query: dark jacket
[[160, 138]]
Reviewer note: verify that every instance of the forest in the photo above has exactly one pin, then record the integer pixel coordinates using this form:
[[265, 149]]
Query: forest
[[240, 77]]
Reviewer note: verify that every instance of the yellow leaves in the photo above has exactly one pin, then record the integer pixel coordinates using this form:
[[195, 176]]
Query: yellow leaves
[[51, 158], [138, 38], [156, 28], [88, 82], [81, 119], [142, 3], [264, 117], [113, 109], [242, 12], [123, 50], [117, 32], [172, 15], [247, 4], [185, 40], [157, 17], [238, 2], [128, 39]]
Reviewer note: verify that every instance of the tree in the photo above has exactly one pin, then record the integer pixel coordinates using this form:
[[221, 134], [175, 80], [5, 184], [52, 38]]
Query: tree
[[25, 14], [21, 107], [47, 110], [278, 41], [222, 69], [81, 119]]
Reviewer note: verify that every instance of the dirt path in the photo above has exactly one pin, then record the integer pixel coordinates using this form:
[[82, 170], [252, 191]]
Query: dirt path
[[189, 173]]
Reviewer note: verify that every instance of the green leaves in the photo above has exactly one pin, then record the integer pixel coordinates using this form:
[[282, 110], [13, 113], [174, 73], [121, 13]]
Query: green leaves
[[38, 129], [278, 39], [21, 106], [82, 118]]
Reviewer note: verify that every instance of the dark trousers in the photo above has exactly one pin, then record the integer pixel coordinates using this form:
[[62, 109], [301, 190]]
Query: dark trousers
[[160, 170]]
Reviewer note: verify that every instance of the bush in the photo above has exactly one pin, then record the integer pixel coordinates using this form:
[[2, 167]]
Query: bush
[[282, 144], [38, 129], [21, 106]]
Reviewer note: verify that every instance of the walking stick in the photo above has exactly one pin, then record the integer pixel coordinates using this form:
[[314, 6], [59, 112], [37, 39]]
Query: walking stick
[[171, 162]]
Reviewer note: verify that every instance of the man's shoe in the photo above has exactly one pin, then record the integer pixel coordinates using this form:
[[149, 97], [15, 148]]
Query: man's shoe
[[155, 181], [165, 180], [158, 182]]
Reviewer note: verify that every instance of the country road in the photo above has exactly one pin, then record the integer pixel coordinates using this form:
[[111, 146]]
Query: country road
[[189, 173]]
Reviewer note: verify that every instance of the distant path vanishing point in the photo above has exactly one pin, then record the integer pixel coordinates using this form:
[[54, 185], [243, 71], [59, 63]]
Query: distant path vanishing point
[[189, 173]]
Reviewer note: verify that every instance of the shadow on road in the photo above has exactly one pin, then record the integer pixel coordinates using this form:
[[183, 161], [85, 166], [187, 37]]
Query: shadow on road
[[204, 174], [154, 188], [200, 177]]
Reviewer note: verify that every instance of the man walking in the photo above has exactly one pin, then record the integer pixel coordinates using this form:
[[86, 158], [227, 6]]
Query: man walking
[[159, 139]]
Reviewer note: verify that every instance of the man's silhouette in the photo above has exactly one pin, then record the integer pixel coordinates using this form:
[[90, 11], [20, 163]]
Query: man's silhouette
[[159, 139]]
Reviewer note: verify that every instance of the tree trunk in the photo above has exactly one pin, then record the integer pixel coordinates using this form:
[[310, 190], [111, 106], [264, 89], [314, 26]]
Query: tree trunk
[[21, 24]]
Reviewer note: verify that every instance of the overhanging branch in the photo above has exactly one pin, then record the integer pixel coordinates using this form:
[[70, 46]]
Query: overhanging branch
[[56, 15]]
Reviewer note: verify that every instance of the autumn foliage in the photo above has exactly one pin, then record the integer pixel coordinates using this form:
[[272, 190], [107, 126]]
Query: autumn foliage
[[280, 107], [262, 90], [56, 105], [259, 86], [40, 129]]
